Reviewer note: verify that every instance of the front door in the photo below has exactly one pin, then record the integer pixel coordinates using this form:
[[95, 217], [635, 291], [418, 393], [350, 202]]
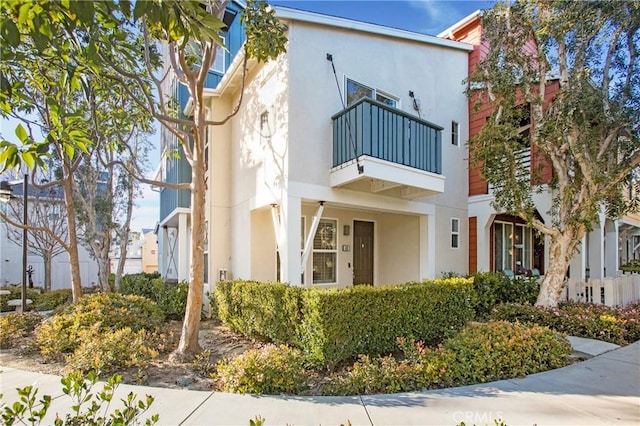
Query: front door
[[362, 252]]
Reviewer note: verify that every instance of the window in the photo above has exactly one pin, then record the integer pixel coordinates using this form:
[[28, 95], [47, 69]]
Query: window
[[512, 247], [325, 253], [455, 232], [356, 91], [387, 100], [455, 133], [219, 62]]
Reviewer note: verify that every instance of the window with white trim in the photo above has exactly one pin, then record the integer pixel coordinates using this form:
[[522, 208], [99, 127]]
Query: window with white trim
[[356, 91], [455, 232], [455, 133], [325, 252], [219, 62], [512, 247]]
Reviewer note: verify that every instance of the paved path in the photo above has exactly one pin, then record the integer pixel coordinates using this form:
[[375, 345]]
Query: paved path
[[604, 390]]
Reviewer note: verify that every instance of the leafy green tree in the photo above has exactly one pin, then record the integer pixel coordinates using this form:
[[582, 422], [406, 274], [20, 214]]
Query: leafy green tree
[[104, 39], [588, 133]]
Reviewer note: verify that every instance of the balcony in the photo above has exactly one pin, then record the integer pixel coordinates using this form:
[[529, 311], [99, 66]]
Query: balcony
[[397, 154]]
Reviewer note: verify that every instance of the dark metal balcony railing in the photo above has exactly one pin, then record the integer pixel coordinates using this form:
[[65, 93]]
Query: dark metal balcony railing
[[387, 133]]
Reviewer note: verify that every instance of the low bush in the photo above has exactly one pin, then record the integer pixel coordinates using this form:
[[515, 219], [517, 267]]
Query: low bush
[[339, 324], [14, 328], [15, 292], [478, 354], [420, 368], [263, 310], [493, 288], [270, 370], [619, 325], [112, 350], [52, 299], [332, 325], [67, 329], [171, 298], [500, 350]]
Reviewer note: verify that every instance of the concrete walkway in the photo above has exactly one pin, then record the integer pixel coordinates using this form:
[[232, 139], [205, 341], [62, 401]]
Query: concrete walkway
[[604, 390]]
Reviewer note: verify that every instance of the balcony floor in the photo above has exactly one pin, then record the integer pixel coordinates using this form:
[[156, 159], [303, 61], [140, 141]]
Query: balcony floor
[[386, 178]]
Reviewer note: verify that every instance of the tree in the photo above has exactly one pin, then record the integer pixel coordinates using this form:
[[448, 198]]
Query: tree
[[189, 30], [588, 134], [45, 212]]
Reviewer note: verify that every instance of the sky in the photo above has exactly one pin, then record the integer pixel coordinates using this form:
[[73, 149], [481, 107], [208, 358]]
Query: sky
[[423, 16]]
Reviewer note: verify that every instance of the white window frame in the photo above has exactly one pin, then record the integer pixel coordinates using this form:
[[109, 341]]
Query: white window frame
[[455, 133], [510, 246], [333, 250], [455, 232], [374, 92], [220, 51]]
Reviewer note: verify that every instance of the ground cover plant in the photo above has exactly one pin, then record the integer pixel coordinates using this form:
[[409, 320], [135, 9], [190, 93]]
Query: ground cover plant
[[619, 325]]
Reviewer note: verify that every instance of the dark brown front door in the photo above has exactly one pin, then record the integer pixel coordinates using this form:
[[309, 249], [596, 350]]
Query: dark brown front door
[[362, 252]]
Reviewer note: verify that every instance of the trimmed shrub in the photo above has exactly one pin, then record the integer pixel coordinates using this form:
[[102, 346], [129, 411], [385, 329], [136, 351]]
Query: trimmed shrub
[[171, 298], [339, 324], [262, 310], [270, 370], [66, 330], [500, 350], [112, 350], [14, 328], [15, 292], [51, 300], [331, 325], [619, 325], [493, 288]]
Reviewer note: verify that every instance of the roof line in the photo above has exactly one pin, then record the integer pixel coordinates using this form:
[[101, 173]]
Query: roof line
[[348, 24], [464, 21]]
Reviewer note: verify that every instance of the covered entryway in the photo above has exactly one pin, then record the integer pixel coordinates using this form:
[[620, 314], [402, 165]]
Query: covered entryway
[[362, 252]]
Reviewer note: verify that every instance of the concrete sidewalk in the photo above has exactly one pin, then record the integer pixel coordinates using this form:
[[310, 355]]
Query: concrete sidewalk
[[603, 390]]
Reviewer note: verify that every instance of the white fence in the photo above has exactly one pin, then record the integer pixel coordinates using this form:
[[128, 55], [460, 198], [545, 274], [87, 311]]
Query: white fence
[[619, 291]]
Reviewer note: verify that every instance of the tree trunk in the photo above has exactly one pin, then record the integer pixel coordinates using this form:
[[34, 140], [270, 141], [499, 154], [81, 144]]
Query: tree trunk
[[124, 235], [74, 259], [561, 250], [188, 345], [48, 260], [103, 269]]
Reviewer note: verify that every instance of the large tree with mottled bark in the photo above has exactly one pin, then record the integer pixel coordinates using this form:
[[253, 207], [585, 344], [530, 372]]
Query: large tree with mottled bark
[[588, 133]]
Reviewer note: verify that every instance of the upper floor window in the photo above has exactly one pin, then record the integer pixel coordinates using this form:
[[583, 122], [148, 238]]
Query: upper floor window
[[356, 91], [219, 63], [455, 133]]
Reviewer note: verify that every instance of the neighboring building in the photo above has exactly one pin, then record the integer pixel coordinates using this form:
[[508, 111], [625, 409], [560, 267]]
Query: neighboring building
[[142, 253], [287, 198], [499, 242], [11, 252]]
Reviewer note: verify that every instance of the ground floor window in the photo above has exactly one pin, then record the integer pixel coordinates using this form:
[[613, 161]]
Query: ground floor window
[[325, 252], [512, 247]]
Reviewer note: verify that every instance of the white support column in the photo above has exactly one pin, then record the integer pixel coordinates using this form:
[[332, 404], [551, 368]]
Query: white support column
[[312, 233], [483, 229], [183, 248], [611, 254], [290, 220], [595, 255], [277, 226]]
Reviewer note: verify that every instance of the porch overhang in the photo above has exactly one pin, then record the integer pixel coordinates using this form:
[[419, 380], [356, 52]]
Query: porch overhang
[[386, 178]]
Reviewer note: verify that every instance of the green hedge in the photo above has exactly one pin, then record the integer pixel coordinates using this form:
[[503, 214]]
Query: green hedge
[[171, 298], [493, 288], [16, 293], [331, 325], [262, 310]]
